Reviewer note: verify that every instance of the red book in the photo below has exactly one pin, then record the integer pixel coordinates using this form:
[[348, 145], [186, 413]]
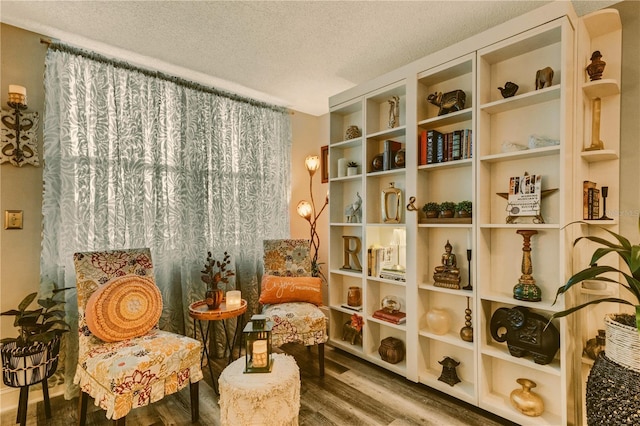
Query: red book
[[423, 148], [394, 317]]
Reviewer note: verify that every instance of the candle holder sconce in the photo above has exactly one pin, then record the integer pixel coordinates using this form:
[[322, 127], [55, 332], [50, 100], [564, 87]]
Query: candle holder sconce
[[18, 144]]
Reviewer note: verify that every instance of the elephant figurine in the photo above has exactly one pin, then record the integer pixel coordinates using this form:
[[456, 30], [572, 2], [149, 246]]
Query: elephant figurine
[[525, 333], [350, 334], [544, 77], [448, 102]]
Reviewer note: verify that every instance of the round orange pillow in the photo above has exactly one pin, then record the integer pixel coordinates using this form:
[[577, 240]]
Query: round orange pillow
[[124, 308]]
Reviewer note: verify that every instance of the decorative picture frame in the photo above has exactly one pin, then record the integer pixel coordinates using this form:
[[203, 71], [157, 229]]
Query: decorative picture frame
[[324, 163]]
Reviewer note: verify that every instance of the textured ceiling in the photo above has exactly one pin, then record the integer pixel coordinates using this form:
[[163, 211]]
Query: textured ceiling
[[296, 53]]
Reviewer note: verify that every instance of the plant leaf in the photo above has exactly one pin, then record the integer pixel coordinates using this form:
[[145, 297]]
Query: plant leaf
[[592, 302], [27, 301], [11, 312]]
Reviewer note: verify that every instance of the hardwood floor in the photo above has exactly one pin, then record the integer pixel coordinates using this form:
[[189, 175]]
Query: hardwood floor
[[352, 392]]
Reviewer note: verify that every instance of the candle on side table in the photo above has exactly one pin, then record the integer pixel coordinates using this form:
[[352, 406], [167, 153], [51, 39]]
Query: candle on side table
[[234, 299]]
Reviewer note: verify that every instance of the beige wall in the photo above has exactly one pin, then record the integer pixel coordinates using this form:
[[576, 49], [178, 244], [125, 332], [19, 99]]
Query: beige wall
[[21, 187]]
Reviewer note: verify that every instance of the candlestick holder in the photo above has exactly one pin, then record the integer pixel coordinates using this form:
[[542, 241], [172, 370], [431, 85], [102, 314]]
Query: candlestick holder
[[468, 286], [526, 289], [604, 191]]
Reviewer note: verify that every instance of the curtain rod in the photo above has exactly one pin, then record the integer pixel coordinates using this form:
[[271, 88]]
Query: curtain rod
[[55, 45]]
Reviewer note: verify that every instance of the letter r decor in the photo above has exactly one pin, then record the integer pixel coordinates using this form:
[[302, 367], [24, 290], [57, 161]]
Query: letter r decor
[[351, 253]]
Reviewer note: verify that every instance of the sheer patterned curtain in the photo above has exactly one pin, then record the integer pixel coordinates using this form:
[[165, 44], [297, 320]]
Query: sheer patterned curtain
[[136, 159]]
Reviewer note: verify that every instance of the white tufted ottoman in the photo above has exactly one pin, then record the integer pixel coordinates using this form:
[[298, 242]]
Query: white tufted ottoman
[[260, 398]]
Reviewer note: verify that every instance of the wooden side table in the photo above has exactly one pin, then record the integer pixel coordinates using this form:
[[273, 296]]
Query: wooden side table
[[200, 313]]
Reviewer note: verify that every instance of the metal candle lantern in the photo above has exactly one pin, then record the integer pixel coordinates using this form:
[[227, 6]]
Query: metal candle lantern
[[257, 337]]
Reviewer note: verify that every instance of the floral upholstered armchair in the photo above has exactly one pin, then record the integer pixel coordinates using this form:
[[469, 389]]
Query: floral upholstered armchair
[[124, 360], [290, 296]]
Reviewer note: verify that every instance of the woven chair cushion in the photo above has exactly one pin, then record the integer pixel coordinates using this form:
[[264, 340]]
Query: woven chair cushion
[[124, 308], [296, 322]]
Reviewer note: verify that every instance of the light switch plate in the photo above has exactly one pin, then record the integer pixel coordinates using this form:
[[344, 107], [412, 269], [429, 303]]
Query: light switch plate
[[13, 219]]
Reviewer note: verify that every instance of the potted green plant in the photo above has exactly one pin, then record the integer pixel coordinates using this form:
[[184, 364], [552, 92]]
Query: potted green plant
[[606, 400], [447, 209], [432, 209], [32, 356], [464, 208], [352, 168]]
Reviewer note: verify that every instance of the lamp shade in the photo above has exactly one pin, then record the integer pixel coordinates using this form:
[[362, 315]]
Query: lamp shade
[[304, 209], [312, 162]]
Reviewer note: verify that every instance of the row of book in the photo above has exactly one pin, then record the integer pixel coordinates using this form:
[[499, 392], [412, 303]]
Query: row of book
[[390, 157], [590, 201], [436, 147], [380, 264]]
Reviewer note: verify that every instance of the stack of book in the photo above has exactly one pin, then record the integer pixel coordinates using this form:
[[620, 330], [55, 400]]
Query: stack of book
[[396, 317], [436, 147], [393, 274], [378, 257], [590, 201]]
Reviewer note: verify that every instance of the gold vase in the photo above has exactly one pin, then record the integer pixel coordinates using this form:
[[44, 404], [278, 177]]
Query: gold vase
[[524, 400]]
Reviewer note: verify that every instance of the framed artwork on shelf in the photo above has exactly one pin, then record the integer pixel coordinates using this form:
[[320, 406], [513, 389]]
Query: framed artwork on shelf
[[324, 163]]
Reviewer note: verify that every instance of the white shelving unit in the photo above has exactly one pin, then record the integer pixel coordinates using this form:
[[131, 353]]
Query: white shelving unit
[[512, 52], [601, 31]]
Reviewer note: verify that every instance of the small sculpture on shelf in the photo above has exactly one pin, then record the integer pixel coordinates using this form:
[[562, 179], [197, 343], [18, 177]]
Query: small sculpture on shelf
[[596, 143], [466, 332], [509, 89], [595, 345], [449, 374], [353, 212], [525, 400], [596, 67], [394, 112], [352, 133], [448, 102], [525, 333], [447, 275], [544, 77], [351, 254], [352, 330]]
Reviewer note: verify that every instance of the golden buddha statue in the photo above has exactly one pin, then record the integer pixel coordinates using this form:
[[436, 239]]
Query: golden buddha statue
[[447, 275]]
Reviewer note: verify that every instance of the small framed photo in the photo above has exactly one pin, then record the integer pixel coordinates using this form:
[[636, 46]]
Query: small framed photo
[[324, 163]]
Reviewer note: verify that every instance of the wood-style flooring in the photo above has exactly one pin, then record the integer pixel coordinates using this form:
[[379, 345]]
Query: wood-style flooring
[[352, 392]]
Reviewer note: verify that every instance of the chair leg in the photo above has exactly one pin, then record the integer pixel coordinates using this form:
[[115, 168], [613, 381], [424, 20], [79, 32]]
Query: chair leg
[[82, 408], [194, 390], [45, 396], [321, 358]]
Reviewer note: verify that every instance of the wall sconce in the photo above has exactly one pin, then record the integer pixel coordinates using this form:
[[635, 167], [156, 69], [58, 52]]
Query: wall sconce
[[307, 211], [18, 144], [257, 337]]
